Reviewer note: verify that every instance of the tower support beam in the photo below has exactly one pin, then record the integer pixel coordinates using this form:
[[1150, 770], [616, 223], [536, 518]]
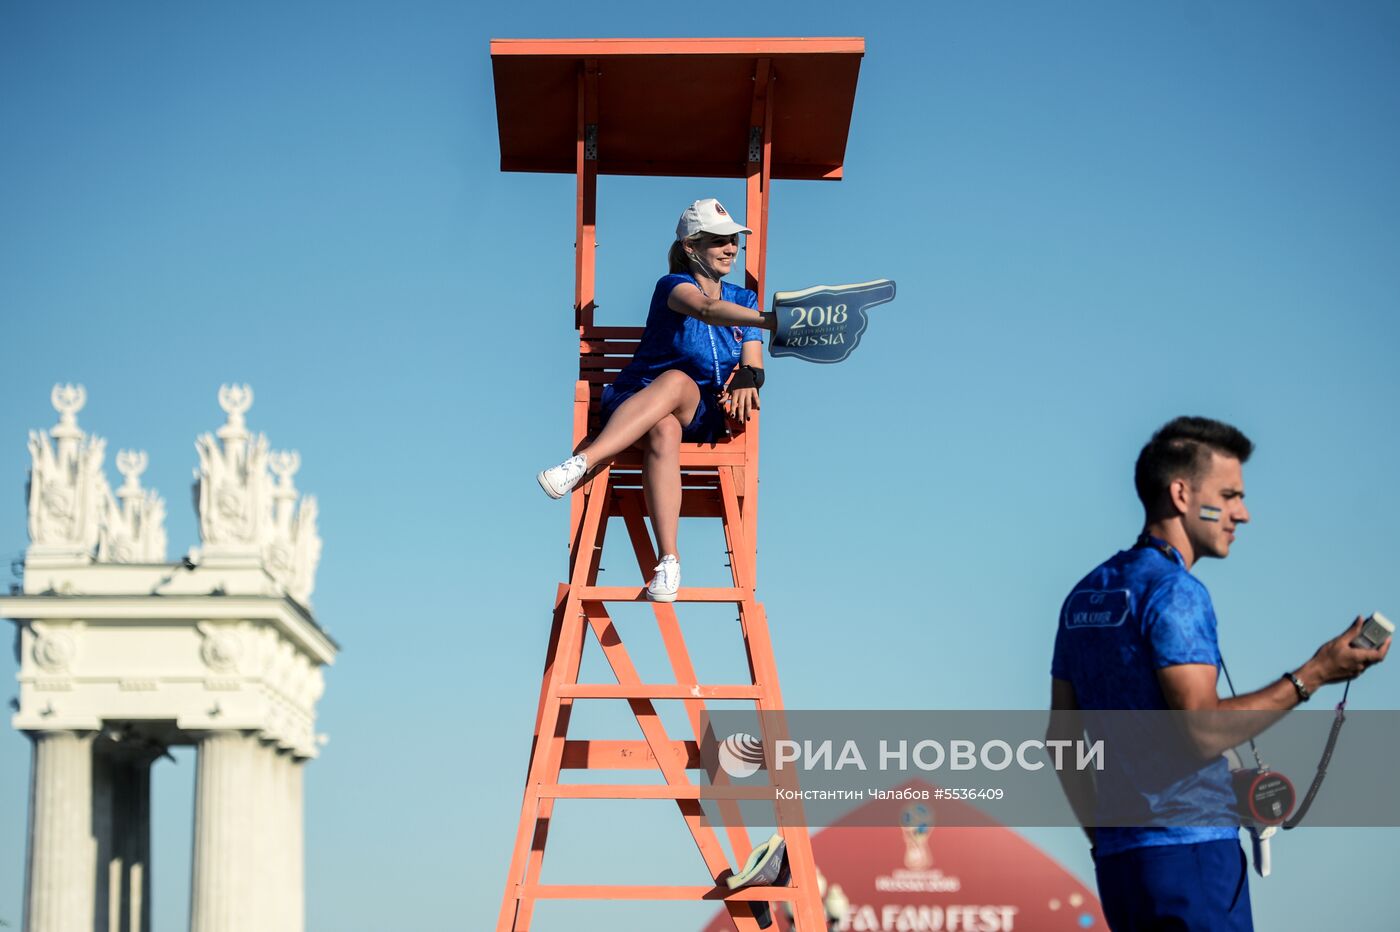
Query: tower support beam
[[633, 109]]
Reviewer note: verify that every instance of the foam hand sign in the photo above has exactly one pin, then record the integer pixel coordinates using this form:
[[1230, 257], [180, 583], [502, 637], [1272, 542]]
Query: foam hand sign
[[825, 323]]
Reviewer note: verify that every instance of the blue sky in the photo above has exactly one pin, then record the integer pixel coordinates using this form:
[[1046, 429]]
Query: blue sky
[[1100, 216]]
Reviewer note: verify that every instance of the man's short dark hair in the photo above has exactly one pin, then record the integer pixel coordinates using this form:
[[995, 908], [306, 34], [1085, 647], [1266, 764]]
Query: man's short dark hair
[[1181, 449]]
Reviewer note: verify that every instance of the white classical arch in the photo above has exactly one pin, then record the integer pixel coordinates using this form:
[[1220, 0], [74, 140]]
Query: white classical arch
[[124, 654]]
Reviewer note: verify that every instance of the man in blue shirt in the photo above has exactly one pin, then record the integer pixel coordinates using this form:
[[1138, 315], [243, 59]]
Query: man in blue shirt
[[1139, 633]]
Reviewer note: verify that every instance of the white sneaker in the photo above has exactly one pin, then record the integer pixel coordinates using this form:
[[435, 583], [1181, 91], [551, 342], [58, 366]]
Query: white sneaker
[[836, 903], [765, 867], [558, 481], [666, 582]]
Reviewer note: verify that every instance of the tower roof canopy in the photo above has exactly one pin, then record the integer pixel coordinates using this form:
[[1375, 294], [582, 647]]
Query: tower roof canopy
[[676, 106]]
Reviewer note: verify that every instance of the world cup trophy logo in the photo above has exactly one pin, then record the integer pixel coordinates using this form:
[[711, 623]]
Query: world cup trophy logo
[[914, 823]]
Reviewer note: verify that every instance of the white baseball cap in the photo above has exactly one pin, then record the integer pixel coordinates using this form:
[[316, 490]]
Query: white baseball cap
[[708, 216]]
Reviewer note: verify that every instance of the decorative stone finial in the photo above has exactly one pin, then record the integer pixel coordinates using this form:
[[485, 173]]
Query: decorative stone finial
[[66, 486], [231, 482], [285, 464], [243, 512], [73, 514], [134, 529], [235, 400], [131, 464], [67, 400]]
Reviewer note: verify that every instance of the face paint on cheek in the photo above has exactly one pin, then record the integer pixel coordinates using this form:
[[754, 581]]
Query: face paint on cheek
[[1210, 513]]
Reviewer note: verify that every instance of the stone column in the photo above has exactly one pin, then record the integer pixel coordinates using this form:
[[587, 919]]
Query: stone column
[[62, 862], [106, 901], [132, 850], [296, 852], [122, 825], [267, 873], [283, 850], [248, 871], [277, 831], [225, 890]]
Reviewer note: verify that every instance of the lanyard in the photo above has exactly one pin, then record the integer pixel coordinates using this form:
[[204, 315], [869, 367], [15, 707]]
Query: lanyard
[[714, 356], [1161, 546], [1327, 750], [714, 348], [1156, 543]]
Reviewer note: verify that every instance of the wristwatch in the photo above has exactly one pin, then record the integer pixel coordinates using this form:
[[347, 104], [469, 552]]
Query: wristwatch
[[1304, 694]]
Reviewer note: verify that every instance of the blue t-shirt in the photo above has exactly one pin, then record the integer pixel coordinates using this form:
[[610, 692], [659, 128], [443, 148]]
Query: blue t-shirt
[[705, 352], [1140, 611]]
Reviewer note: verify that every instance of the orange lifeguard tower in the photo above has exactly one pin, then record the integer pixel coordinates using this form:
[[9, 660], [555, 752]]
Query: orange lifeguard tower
[[772, 108]]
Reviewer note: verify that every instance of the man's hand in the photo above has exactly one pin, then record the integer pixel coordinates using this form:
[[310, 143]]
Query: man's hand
[[1066, 724], [1190, 687], [738, 403], [1337, 660]]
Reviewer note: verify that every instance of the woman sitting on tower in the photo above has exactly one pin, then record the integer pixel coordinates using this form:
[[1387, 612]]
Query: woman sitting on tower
[[677, 387]]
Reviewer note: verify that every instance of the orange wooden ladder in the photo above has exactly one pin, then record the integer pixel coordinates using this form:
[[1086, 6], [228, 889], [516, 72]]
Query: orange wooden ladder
[[540, 83]]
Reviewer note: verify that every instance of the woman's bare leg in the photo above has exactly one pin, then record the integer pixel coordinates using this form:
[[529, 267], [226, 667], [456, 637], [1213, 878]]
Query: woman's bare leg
[[653, 420], [673, 394], [661, 482]]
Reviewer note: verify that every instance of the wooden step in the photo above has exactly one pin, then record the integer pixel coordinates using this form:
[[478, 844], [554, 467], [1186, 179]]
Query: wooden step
[[606, 754], [657, 691], [555, 891], [638, 594], [651, 791]]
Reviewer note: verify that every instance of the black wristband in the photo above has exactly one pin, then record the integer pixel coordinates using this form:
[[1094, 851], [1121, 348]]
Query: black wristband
[[1304, 694], [747, 377]]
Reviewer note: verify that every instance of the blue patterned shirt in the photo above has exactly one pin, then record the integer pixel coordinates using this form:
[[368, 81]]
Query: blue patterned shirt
[[705, 352], [1140, 611]]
